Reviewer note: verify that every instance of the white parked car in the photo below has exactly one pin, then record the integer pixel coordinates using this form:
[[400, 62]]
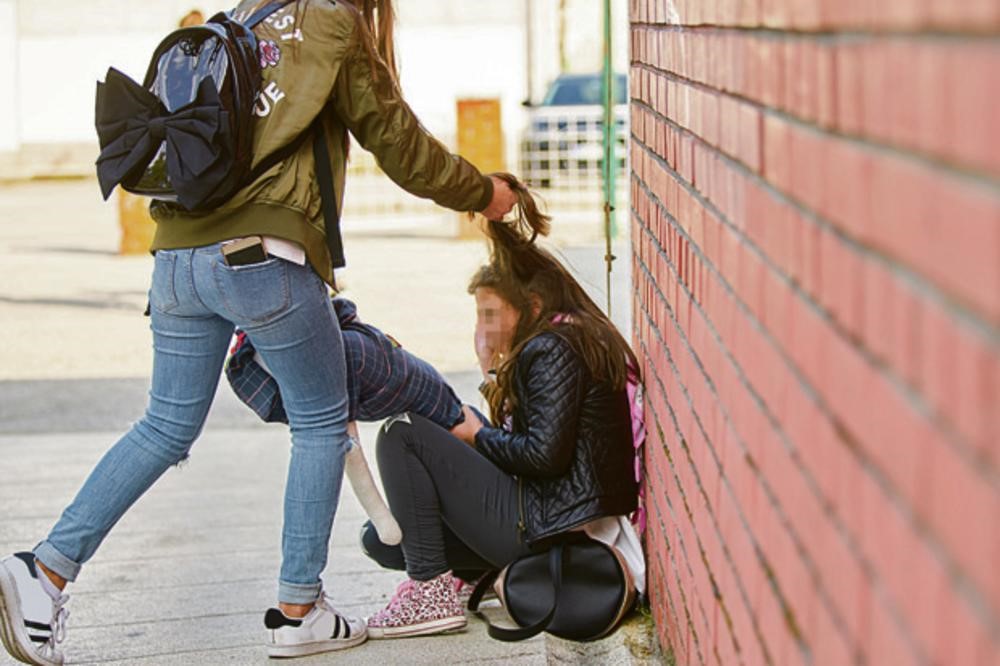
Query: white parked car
[[563, 143]]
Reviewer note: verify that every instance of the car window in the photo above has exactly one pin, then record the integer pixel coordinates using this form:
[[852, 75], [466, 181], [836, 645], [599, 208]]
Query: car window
[[580, 90]]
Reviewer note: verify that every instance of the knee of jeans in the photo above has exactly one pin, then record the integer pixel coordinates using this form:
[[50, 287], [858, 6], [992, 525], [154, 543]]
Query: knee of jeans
[[387, 557], [321, 441], [170, 442]]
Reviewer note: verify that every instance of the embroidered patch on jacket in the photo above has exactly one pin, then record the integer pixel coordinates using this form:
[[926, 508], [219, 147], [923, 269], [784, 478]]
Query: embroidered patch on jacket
[[270, 53]]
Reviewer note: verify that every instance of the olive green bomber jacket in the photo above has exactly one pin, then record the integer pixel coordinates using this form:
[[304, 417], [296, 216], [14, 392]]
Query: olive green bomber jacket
[[314, 62]]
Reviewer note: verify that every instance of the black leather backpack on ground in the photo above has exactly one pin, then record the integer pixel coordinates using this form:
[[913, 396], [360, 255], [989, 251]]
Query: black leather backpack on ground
[[186, 134], [579, 589]]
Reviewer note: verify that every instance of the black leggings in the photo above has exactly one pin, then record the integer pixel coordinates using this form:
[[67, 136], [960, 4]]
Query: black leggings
[[463, 562], [457, 510]]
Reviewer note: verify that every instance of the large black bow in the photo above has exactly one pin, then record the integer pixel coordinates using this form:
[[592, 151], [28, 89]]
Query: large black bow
[[132, 123]]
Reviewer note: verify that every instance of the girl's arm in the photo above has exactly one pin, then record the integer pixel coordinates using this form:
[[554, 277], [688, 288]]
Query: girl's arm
[[360, 476], [372, 107], [550, 406]]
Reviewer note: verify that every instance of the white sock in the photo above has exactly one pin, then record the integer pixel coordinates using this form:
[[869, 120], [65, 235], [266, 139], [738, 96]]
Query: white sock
[[47, 584]]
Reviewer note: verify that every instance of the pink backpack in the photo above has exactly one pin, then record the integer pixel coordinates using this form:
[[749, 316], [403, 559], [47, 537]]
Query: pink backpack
[[635, 404]]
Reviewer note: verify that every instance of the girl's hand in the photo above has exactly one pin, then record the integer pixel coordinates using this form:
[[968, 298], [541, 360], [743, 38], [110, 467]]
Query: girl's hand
[[503, 200], [467, 429]]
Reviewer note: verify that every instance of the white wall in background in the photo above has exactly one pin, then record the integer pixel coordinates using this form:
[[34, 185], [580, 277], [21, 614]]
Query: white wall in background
[[9, 126], [64, 47], [56, 50]]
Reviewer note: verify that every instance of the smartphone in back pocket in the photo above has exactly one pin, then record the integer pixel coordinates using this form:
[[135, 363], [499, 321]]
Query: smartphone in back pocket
[[245, 251]]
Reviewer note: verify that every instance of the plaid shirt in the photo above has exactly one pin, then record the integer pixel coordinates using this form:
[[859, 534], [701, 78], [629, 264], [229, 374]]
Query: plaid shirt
[[383, 379]]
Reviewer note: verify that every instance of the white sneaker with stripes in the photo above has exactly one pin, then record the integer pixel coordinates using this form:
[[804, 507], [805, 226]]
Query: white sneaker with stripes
[[323, 629], [32, 623]]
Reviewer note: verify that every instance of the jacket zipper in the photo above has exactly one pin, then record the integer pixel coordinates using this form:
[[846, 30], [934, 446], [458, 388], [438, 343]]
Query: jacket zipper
[[520, 509]]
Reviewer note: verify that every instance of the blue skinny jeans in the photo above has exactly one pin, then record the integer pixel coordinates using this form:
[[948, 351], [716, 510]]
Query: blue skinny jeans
[[195, 301]]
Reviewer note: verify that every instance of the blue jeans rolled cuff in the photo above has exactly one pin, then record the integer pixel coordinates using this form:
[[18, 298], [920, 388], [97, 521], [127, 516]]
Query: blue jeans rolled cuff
[[293, 593], [56, 562]]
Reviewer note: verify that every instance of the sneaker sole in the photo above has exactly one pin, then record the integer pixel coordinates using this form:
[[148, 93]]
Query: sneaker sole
[[316, 647], [12, 632], [444, 625]]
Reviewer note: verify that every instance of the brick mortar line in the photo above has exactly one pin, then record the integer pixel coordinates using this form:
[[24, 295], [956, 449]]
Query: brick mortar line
[[663, 482], [689, 514], [958, 577], [935, 162], [684, 601], [671, 605], [827, 35], [659, 477], [708, 440], [657, 563], [720, 601], [798, 543], [675, 569], [748, 606], [954, 307], [956, 441]]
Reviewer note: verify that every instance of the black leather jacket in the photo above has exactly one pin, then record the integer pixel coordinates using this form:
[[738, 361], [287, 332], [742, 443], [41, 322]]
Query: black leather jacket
[[570, 444]]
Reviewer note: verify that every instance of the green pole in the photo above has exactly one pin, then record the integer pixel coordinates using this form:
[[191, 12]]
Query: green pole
[[608, 137]]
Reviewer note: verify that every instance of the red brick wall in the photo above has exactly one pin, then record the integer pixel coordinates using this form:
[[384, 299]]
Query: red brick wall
[[815, 224]]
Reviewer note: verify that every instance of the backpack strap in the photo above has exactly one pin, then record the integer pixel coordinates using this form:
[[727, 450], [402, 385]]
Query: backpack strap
[[328, 200], [477, 593], [321, 156], [331, 216], [522, 633], [285, 151]]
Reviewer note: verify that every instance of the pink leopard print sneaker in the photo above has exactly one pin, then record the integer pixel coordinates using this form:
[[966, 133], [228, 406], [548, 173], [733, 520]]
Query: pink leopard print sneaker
[[419, 608]]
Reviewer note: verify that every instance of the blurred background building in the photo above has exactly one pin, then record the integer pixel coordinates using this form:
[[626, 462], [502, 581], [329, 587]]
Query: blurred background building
[[52, 52]]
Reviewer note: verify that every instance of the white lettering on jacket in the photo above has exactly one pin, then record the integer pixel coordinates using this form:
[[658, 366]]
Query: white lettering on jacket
[[281, 23], [267, 99]]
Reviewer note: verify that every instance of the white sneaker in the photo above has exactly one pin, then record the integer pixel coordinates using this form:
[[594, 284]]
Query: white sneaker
[[32, 623], [323, 629]]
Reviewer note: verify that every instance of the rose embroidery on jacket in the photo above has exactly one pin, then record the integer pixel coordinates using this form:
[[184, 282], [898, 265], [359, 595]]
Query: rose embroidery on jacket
[[270, 54]]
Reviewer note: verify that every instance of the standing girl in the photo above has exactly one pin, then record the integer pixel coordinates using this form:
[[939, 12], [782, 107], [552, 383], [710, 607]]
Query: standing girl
[[322, 60]]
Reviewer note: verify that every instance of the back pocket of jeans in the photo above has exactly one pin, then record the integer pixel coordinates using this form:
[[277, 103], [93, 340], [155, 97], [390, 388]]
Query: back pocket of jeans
[[162, 295], [254, 293]]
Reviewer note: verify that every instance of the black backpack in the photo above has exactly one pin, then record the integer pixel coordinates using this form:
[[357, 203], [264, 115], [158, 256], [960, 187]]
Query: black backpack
[[186, 134], [579, 589]]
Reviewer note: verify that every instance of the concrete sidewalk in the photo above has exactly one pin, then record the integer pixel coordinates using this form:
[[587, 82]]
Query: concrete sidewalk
[[186, 575]]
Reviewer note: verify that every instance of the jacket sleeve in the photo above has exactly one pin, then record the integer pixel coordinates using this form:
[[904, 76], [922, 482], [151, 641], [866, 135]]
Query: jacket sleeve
[[553, 381], [370, 103]]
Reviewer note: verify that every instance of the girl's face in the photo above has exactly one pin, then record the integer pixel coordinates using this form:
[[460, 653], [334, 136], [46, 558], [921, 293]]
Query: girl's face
[[496, 320]]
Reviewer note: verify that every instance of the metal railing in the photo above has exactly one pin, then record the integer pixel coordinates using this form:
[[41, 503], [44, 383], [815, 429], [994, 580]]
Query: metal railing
[[559, 157], [561, 150]]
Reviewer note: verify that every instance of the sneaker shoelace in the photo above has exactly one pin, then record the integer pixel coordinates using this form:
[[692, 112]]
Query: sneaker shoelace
[[324, 603], [402, 592], [59, 616], [399, 596]]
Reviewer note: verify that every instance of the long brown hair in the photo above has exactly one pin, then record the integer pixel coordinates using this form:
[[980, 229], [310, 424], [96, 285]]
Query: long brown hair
[[548, 298], [380, 22]]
